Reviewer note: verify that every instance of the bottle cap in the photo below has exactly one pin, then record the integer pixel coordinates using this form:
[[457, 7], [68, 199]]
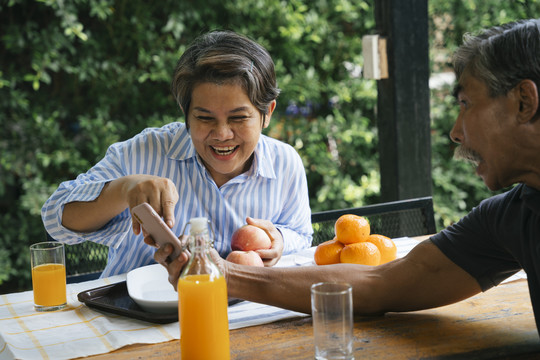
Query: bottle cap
[[198, 224]]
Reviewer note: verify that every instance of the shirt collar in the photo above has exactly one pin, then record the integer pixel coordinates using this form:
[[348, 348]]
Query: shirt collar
[[181, 148], [531, 198], [262, 161]]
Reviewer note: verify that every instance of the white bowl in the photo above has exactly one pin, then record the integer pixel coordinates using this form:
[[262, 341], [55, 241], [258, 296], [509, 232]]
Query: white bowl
[[149, 287]]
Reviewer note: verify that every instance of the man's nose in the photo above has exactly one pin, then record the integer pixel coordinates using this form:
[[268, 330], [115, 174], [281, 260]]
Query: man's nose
[[456, 134]]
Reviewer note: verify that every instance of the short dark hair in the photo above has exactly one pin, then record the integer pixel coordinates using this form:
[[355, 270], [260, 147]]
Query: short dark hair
[[501, 56], [225, 57]]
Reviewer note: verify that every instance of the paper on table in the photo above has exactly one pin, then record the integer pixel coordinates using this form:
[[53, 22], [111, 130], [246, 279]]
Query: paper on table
[[305, 257], [405, 244]]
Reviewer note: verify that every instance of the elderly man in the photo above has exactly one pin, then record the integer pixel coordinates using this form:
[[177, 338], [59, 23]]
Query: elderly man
[[498, 128]]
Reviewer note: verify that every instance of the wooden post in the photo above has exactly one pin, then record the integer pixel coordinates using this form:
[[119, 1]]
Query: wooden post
[[403, 100]]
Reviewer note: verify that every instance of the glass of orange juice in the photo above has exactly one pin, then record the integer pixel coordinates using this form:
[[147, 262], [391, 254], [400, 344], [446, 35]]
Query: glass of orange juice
[[48, 275]]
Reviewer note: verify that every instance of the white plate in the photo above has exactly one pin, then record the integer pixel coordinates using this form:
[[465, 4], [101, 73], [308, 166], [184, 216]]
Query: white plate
[[149, 287]]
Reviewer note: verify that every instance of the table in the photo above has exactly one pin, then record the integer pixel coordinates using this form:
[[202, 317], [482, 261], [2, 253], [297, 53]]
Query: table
[[497, 324]]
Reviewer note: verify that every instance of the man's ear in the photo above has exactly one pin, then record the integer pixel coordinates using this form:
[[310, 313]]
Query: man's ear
[[528, 100]]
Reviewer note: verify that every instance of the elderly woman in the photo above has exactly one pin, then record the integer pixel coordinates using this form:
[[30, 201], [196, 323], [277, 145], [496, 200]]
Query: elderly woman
[[217, 165]]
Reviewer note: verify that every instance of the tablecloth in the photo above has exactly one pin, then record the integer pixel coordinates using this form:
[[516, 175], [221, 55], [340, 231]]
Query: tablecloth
[[78, 330]]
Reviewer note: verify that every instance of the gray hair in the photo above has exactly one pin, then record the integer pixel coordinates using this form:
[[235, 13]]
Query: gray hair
[[225, 57], [501, 56]]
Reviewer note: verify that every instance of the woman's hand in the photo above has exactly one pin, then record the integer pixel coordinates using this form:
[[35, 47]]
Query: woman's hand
[[157, 191], [271, 256]]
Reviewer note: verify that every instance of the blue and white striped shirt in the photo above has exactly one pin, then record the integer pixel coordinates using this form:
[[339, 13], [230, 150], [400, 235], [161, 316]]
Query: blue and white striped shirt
[[274, 188]]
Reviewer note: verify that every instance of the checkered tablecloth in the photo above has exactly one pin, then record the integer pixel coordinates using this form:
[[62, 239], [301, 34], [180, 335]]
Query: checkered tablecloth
[[78, 330]]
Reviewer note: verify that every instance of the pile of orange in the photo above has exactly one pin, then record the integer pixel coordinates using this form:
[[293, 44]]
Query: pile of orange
[[354, 244]]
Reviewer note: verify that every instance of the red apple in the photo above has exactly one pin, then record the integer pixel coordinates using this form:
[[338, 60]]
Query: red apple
[[250, 237], [245, 258]]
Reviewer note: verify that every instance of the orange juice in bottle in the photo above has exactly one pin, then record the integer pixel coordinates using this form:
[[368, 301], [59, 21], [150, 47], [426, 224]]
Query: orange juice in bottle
[[202, 301]]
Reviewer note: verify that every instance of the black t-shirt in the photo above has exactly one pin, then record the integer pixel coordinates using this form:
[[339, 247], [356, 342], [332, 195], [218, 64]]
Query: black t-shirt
[[498, 238]]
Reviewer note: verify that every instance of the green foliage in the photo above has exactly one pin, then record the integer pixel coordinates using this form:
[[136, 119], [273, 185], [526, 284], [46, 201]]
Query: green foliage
[[77, 76], [451, 19]]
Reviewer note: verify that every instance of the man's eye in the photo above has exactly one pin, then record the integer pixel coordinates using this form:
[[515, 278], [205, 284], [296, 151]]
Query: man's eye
[[461, 103]]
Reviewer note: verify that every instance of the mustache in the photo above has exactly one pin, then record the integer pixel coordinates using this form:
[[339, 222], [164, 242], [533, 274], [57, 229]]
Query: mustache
[[467, 154]]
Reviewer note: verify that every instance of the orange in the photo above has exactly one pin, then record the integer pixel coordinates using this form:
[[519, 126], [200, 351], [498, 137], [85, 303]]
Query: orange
[[328, 252], [351, 229], [385, 245], [364, 253]]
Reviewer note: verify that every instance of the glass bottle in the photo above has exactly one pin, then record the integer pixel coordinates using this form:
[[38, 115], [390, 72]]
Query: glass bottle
[[202, 300]]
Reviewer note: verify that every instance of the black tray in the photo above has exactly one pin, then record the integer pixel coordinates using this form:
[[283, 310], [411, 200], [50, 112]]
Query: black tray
[[115, 299]]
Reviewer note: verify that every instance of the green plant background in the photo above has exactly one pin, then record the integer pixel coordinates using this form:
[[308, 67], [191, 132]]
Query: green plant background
[[76, 76]]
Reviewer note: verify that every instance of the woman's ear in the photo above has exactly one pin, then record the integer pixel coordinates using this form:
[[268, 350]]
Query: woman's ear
[[528, 100], [268, 116]]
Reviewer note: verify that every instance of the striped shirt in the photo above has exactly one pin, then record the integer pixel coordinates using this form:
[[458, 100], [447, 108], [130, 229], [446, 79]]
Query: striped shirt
[[274, 188]]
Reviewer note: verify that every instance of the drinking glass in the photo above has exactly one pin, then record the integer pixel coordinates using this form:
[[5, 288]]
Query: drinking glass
[[332, 313], [48, 275]]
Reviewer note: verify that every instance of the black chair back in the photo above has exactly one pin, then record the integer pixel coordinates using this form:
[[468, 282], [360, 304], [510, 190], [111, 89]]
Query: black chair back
[[84, 261], [414, 217]]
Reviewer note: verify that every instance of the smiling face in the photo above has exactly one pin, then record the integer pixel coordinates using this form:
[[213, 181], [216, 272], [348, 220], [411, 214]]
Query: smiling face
[[486, 128], [225, 128]]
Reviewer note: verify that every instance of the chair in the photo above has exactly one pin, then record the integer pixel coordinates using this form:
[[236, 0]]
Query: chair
[[84, 261], [394, 219]]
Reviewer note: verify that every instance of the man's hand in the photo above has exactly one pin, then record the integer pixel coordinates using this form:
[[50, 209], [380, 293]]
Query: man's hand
[[174, 267], [271, 256]]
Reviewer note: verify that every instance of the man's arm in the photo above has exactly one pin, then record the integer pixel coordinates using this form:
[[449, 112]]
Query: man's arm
[[425, 278]]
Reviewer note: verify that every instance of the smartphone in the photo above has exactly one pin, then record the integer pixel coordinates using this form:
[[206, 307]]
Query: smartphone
[[154, 225]]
